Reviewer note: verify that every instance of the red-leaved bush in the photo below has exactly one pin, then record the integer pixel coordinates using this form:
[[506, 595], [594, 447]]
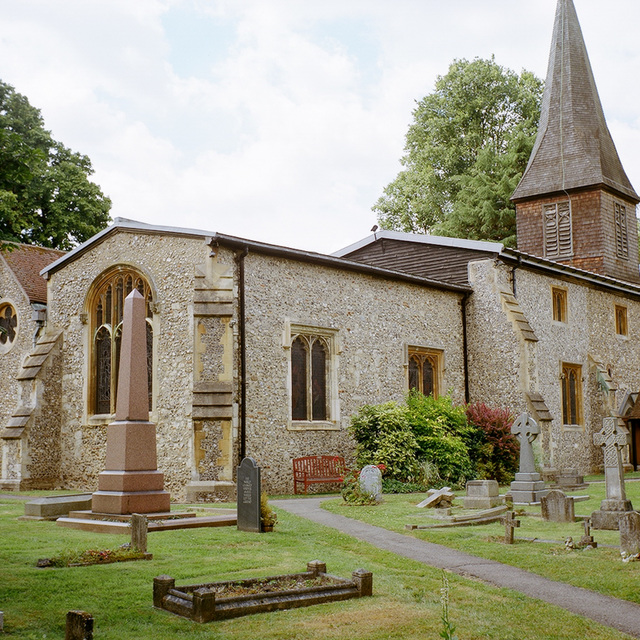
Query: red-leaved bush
[[498, 454]]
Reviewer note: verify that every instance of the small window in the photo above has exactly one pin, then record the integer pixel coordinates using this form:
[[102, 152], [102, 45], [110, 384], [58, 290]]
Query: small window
[[557, 230], [622, 240], [424, 367], [8, 326], [571, 380], [621, 321], [311, 376], [559, 302]]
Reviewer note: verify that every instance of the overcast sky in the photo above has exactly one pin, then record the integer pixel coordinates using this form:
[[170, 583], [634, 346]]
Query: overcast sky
[[278, 120]]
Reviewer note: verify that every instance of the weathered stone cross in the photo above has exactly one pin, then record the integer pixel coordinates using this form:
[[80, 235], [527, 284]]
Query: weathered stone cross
[[510, 523], [612, 438], [526, 429]]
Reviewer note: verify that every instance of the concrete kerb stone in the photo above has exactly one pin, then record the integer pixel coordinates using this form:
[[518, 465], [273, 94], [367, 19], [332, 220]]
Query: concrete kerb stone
[[612, 612]]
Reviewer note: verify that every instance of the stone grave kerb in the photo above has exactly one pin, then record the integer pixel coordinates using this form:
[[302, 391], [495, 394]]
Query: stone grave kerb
[[131, 482]]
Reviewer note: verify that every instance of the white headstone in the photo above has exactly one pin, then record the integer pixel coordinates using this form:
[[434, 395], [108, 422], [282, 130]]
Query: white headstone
[[371, 481]]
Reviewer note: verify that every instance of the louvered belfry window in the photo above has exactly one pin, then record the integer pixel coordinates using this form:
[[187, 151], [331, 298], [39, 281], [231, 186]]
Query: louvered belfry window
[[557, 230], [622, 241], [106, 309]]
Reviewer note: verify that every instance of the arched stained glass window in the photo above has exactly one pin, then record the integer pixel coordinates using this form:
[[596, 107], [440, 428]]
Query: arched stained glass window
[[106, 312], [309, 362], [571, 394], [8, 325]]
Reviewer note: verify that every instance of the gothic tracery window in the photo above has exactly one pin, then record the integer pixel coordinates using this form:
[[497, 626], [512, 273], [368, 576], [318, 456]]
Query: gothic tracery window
[[310, 359], [571, 380], [106, 310], [423, 370]]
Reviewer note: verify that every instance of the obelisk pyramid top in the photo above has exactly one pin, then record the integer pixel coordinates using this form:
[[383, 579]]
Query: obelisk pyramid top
[[133, 391]]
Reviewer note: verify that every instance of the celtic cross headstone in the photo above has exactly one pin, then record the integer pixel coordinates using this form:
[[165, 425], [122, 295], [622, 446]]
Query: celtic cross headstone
[[528, 487], [612, 438]]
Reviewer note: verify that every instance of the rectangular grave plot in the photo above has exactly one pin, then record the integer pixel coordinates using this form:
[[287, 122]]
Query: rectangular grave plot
[[203, 602]]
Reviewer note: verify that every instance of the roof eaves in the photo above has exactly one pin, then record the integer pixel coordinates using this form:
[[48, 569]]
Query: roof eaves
[[443, 241], [120, 224], [331, 261], [565, 271]]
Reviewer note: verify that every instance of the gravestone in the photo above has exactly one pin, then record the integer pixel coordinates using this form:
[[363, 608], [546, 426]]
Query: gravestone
[[131, 482], [510, 523], [527, 488], [557, 507], [139, 529], [587, 539], [371, 482], [438, 498], [249, 490], [569, 480], [79, 626], [482, 494], [630, 533], [612, 439], [54, 507]]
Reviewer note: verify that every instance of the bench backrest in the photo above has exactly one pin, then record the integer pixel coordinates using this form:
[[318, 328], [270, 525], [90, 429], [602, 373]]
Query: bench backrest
[[322, 466]]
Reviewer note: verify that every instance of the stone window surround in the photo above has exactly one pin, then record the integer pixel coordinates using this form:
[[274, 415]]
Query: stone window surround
[[437, 352], [86, 319], [559, 305], [9, 344], [577, 368], [332, 338], [621, 320]]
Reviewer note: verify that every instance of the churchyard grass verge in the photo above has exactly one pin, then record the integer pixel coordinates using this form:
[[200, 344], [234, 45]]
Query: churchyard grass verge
[[406, 601], [598, 569]]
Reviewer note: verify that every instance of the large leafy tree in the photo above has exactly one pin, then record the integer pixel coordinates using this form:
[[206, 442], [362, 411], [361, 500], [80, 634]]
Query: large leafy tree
[[46, 197], [465, 152]]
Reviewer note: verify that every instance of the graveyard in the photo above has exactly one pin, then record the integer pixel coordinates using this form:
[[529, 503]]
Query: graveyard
[[406, 600]]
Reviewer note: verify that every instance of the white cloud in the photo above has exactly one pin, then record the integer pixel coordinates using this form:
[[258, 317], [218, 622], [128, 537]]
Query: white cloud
[[287, 125]]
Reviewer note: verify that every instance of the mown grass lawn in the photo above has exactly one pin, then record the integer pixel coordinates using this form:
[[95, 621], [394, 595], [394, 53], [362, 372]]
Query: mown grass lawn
[[406, 601], [598, 569]]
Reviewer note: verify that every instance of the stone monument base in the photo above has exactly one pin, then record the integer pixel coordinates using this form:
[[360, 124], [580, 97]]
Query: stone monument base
[[482, 494], [125, 502], [527, 488], [608, 516]]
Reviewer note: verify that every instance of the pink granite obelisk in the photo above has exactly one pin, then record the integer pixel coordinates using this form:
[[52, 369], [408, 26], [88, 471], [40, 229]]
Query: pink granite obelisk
[[131, 482]]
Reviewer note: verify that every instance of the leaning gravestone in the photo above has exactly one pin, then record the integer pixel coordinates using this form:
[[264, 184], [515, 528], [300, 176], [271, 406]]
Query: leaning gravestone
[[630, 533], [371, 482], [612, 439], [557, 507], [438, 499], [482, 494], [528, 487], [249, 490]]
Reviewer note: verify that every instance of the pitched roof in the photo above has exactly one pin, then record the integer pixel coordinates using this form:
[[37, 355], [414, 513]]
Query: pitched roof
[[574, 147], [26, 262]]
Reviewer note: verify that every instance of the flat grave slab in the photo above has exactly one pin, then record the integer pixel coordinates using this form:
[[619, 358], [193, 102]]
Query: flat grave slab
[[54, 507]]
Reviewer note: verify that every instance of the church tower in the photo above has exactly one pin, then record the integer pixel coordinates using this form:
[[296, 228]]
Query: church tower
[[574, 203]]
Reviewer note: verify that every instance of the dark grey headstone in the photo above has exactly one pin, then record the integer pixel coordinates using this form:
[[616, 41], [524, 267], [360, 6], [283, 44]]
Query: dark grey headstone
[[629, 524], [249, 496]]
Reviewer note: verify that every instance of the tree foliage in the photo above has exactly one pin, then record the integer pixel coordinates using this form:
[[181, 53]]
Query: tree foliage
[[465, 152], [46, 197]]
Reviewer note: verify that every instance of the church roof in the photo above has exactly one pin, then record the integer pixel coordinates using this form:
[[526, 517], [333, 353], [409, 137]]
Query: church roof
[[26, 261], [574, 147]]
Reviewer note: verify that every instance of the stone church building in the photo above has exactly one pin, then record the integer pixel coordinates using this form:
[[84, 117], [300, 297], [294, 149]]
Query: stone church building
[[262, 350]]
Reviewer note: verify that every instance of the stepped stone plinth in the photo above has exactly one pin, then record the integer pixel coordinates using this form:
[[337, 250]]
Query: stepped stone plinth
[[131, 482]]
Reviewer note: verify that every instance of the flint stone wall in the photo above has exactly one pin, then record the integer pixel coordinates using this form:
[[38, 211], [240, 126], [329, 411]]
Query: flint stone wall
[[374, 318], [169, 263], [502, 367]]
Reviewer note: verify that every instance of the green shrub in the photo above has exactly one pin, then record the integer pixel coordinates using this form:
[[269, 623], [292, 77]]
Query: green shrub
[[497, 459]]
